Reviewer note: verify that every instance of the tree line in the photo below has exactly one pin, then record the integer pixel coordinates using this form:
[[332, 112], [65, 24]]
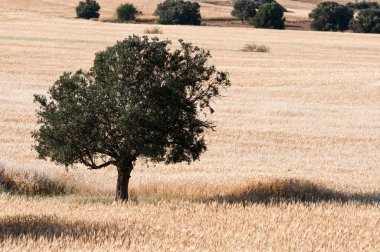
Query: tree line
[[327, 16]]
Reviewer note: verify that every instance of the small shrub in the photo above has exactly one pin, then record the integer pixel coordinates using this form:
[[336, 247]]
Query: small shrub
[[127, 12], [330, 16], [244, 10], [153, 30], [88, 9], [270, 16], [178, 12], [363, 5], [284, 190], [367, 21], [255, 48]]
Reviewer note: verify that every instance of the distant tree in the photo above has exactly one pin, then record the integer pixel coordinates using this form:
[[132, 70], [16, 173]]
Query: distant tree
[[88, 9], [244, 10], [330, 16], [270, 16], [178, 12], [260, 3], [367, 21], [127, 12], [139, 100], [363, 5]]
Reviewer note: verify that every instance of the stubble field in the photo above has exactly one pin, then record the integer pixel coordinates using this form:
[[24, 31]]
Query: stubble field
[[303, 119]]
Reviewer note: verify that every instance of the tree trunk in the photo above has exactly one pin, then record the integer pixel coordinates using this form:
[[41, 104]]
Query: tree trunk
[[123, 175]]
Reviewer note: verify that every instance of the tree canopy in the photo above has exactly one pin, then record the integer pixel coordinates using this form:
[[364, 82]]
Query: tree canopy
[[244, 9], [88, 9], [127, 12], [178, 12], [367, 21], [139, 100], [330, 16], [270, 16]]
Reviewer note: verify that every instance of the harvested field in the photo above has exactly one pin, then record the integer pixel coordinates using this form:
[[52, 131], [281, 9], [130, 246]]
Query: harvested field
[[164, 226], [308, 110]]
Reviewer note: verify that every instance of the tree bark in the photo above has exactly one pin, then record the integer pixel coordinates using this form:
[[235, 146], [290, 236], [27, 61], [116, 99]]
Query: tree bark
[[123, 176]]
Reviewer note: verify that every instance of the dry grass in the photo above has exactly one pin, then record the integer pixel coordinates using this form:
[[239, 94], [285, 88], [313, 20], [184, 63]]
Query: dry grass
[[270, 191], [301, 123], [255, 48], [25, 183], [153, 30], [171, 226], [265, 191]]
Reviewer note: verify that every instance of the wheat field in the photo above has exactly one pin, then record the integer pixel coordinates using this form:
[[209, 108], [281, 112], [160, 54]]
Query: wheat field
[[184, 226], [304, 115]]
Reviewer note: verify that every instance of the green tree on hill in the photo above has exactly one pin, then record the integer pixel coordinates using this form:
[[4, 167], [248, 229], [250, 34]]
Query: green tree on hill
[[88, 9], [270, 16], [140, 100], [178, 12], [330, 16], [244, 9], [127, 12]]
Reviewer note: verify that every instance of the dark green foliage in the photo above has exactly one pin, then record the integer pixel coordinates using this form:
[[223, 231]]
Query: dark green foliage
[[367, 21], [260, 3], [270, 16], [244, 9], [139, 100], [88, 9], [126, 12], [178, 12], [363, 5], [330, 16]]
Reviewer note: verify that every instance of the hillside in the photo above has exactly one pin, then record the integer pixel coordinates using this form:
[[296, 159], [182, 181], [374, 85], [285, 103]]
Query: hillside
[[210, 9]]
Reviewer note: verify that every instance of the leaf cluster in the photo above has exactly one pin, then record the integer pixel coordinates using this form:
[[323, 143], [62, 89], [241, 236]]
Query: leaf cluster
[[140, 99], [363, 5]]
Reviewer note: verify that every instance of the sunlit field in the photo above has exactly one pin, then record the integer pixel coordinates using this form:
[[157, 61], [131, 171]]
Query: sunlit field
[[293, 163]]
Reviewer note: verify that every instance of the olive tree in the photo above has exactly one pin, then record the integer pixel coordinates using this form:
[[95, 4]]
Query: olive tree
[[270, 16], [172, 12], [330, 16], [244, 9], [367, 21], [140, 100], [127, 12], [88, 9]]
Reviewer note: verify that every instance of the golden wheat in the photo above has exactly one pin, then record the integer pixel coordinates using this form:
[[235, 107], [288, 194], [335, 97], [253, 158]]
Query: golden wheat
[[309, 109], [302, 119], [171, 226]]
